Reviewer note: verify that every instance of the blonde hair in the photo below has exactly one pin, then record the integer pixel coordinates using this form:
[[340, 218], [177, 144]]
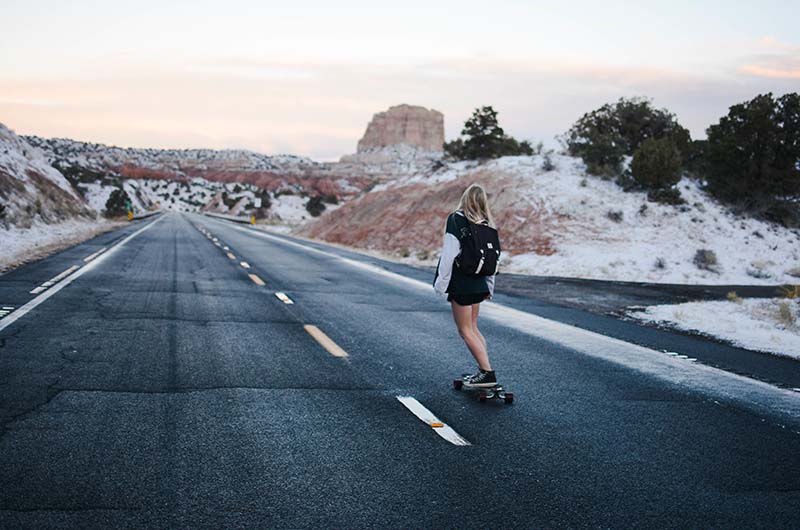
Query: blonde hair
[[475, 205]]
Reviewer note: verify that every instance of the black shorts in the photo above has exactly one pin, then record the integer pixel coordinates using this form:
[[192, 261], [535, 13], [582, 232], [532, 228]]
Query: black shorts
[[467, 298]]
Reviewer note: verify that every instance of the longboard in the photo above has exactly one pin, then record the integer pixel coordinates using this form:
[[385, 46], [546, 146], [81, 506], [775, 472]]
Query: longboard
[[485, 393]]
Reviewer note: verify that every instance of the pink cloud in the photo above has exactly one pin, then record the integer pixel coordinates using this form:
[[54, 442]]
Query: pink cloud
[[772, 73]]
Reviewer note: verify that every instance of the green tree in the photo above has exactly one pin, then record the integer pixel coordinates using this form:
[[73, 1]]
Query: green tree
[[482, 137], [753, 156], [603, 137], [656, 167], [117, 202], [315, 206]]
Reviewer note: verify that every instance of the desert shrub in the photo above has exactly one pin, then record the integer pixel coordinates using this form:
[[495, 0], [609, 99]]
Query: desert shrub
[[117, 203], [331, 198], [733, 297], [656, 164], [315, 206], [666, 196], [227, 200], [660, 263], [753, 157], [547, 163], [603, 137], [791, 292], [2, 212], [404, 253], [482, 138], [615, 215], [785, 315], [706, 260], [423, 254], [266, 201]]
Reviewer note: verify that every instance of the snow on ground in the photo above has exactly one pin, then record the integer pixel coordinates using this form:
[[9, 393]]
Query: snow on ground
[[599, 231], [649, 242], [22, 245], [752, 323], [290, 209]]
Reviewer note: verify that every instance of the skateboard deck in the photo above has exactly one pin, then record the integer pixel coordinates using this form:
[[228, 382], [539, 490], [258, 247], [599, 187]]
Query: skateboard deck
[[485, 393]]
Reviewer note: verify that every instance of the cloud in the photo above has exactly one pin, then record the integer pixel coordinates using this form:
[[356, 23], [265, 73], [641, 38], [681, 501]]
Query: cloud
[[320, 109], [781, 62]]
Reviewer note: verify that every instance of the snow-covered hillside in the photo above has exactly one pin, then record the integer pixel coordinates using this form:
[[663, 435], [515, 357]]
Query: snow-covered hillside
[[31, 189], [170, 162], [565, 223]]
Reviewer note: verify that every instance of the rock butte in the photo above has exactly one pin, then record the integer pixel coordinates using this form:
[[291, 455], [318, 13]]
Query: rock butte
[[405, 124]]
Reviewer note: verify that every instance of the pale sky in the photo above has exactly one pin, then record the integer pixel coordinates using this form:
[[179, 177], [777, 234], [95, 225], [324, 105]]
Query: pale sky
[[305, 78]]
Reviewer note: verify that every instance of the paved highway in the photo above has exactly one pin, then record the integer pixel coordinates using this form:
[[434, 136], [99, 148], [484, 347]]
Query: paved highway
[[161, 383]]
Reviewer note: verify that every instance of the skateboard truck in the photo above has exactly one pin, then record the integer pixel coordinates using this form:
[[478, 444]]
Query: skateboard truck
[[487, 393]]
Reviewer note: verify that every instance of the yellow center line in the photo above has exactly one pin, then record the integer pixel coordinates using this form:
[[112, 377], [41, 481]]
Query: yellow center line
[[325, 341], [231, 256], [256, 279], [245, 264]]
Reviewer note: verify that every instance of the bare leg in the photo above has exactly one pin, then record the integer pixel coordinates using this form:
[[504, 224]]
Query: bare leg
[[475, 309], [463, 318]]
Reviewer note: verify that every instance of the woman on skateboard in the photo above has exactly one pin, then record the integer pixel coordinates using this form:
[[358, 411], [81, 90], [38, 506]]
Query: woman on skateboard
[[465, 290]]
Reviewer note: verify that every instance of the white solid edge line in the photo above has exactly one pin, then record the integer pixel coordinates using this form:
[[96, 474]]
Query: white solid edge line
[[751, 394], [445, 431], [25, 309]]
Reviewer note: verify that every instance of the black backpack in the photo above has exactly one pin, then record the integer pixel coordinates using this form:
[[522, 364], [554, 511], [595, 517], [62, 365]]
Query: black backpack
[[480, 250]]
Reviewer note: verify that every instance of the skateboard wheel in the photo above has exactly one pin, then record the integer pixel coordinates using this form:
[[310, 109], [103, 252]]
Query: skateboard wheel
[[509, 397], [457, 384]]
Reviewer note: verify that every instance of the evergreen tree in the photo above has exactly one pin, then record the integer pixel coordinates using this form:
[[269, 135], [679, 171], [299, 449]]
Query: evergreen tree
[[482, 137], [117, 203], [753, 156]]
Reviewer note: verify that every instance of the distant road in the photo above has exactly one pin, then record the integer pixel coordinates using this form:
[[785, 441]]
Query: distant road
[[187, 372]]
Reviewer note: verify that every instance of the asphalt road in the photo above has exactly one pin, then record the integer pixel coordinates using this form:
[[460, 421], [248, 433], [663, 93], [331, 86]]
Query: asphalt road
[[161, 386]]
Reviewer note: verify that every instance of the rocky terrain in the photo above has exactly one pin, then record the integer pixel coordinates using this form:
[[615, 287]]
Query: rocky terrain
[[562, 222], [31, 189], [407, 125]]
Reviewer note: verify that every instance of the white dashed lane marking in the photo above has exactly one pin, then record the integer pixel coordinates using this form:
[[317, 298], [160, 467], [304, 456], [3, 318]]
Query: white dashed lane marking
[[283, 298], [90, 257], [25, 309], [428, 417], [256, 279], [54, 280]]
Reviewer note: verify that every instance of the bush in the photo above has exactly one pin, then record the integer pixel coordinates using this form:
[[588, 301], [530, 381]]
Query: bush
[[603, 137], [482, 138], [117, 203], [2, 212], [266, 201], [315, 206], [615, 216], [785, 315], [706, 260], [656, 164], [753, 157], [666, 196], [547, 163], [331, 198]]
